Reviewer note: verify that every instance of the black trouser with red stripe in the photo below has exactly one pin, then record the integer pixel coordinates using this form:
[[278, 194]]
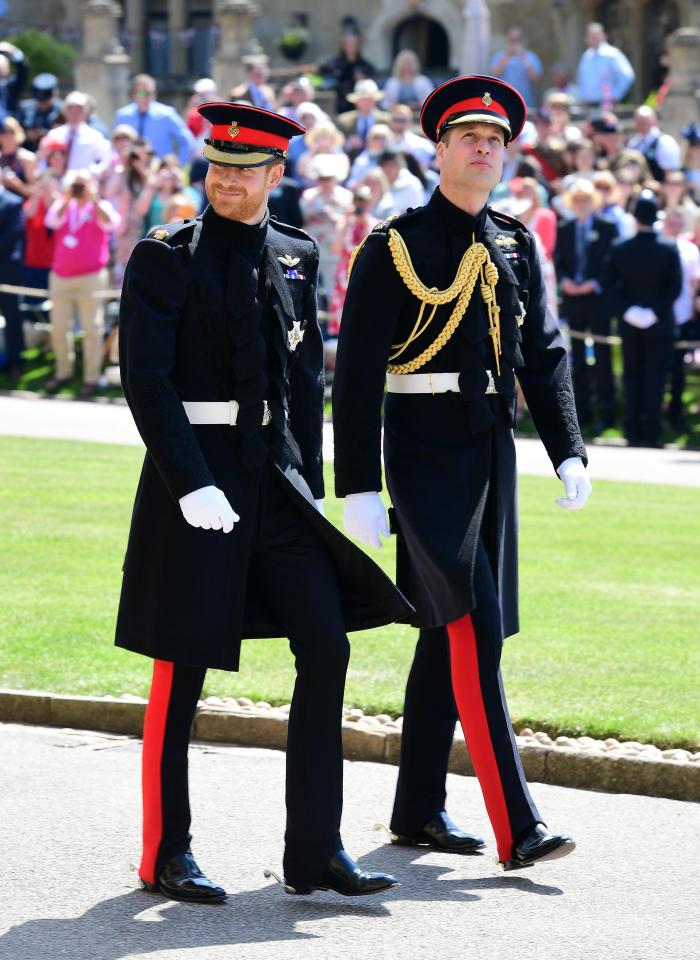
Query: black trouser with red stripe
[[460, 664], [300, 580]]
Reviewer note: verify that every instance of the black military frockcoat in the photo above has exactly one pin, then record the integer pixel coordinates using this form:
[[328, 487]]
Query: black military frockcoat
[[645, 270], [186, 594], [447, 455]]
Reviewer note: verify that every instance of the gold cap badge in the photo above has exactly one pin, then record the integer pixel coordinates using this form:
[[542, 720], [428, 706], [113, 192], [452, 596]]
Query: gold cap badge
[[487, 99], [233, 130]]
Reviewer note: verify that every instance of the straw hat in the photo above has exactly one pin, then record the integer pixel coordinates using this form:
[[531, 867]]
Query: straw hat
[[581, 188], [325, 165], [365, 89]]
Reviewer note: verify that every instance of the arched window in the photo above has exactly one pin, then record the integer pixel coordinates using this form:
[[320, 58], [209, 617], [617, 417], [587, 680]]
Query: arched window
[[427, 38]]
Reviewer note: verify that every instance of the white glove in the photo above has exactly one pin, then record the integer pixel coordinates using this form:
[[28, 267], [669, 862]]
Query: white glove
[[364, 518], [319, 506], [640, 317], [208, 508], [578, 487]]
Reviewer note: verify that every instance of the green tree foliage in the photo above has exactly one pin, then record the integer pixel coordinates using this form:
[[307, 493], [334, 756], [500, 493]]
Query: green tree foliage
[[46, 55]]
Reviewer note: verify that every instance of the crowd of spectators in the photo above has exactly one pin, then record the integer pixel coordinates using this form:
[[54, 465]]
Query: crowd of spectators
[[77, 191]]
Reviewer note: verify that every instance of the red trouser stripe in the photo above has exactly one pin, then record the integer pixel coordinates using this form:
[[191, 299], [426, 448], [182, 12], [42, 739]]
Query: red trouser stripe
[[466, 685], [153, 737]]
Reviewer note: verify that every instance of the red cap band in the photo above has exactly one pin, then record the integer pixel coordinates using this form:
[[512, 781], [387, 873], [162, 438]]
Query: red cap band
[[233, 133], [477, 105]]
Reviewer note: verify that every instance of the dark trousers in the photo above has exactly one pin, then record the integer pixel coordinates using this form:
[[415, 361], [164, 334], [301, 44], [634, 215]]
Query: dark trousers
[[9, 308], [36, 277], [590, 314], [291, 564], [460, 664], [429, 719], [647, 360], [687, 331]]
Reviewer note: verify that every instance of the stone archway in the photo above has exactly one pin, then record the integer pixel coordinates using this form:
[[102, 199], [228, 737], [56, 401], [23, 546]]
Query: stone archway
[[427, 38], [661, 19], [380, 31], [640, 28]]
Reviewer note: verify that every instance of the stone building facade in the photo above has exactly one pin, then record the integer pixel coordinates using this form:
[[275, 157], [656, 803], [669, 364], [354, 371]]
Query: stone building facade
[[180, 40]]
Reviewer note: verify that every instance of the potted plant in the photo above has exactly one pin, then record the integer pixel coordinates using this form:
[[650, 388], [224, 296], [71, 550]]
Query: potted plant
[[294, 42]]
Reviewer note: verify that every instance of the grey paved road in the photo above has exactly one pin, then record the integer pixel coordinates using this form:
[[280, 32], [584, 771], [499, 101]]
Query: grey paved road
[[69, 808], [112, 423]]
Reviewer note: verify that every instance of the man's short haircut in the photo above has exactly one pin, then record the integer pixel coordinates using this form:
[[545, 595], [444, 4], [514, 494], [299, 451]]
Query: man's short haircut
[[144, 80]]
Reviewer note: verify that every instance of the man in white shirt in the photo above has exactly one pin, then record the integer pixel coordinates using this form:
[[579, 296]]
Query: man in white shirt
[[405, 140], [604, 75], [404, 191], [87, 149], [661, 151], [674, 228]]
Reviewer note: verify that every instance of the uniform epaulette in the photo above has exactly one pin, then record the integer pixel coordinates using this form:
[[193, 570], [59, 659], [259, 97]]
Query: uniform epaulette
[[168, 231], [289, 229], [384, 225], [396, 219], [505, 218]]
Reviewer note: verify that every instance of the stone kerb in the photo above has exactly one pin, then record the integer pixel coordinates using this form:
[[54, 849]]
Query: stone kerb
[[608, 765]]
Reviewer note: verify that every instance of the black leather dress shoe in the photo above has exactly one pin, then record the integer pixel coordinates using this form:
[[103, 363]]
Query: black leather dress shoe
[[539, 844], [344, 876], [441, 833], [182, 879]]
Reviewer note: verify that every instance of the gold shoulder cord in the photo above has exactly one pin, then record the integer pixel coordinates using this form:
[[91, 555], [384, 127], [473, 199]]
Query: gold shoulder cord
[[476, 262]]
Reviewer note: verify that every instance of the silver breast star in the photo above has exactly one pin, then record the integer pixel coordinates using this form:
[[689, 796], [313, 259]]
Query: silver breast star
[[295, 335]]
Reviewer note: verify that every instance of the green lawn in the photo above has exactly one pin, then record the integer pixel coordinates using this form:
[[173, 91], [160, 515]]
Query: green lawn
[[610, 609]]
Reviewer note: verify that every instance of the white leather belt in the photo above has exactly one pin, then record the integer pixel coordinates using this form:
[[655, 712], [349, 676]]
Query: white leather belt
[[218, 411], [429, 383]]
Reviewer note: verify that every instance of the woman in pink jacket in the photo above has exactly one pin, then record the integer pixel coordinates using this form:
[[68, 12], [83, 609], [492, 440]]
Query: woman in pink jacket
[[82, 224]]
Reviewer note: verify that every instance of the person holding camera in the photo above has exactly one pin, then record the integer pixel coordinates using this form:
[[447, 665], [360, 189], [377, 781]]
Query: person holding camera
[[359, 220], [518, 66], [123, 187], [82, 223], [17, 165]]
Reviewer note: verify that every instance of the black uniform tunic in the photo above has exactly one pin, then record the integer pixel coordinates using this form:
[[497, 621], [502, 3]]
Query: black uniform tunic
[[214, 311], [447, 455]]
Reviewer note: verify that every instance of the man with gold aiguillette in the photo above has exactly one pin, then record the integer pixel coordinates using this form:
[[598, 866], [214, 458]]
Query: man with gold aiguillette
[[446, 306]]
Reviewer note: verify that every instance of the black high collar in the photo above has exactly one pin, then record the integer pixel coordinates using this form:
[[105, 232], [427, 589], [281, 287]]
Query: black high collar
[[248, 237], [457, 220]]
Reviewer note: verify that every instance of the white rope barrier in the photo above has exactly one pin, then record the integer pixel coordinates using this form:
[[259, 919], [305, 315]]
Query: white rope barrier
[[614, 341], [115, 294]]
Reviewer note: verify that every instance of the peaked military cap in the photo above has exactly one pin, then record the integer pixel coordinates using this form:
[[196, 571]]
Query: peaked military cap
[[44, 83], [245, 136], [646, 209], [473, 99]]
